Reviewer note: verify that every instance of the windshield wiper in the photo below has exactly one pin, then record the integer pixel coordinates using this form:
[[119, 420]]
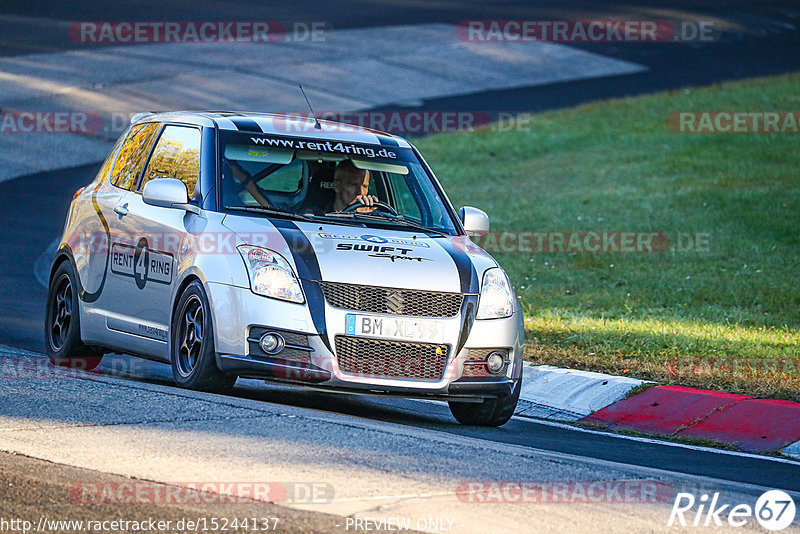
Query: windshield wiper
[[412, 224], [398, 220], [270, 211]]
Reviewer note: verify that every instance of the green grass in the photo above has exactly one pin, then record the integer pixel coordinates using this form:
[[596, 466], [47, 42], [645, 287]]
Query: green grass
[[615, 166]]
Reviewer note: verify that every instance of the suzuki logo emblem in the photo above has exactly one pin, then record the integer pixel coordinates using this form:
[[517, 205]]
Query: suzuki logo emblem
[[394, 302]]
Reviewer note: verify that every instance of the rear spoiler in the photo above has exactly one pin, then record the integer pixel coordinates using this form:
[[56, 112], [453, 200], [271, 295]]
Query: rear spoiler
[[140, 116]]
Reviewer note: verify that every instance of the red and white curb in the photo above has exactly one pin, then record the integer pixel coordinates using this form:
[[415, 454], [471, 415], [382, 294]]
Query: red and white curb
[[752, 425], [568, 394], [792, 450]]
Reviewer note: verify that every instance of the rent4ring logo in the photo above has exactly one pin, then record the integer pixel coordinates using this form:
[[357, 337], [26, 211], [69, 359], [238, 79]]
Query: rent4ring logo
[[774, 510], [141, 263]]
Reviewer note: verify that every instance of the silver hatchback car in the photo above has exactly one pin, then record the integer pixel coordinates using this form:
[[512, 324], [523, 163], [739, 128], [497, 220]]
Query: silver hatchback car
[[281, 248]]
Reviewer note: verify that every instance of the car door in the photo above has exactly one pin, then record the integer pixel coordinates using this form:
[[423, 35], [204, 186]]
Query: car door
[[95, 261], [147, 262]]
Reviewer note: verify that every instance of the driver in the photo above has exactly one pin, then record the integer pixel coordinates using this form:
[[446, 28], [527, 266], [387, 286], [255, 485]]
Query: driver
[[351, 185]]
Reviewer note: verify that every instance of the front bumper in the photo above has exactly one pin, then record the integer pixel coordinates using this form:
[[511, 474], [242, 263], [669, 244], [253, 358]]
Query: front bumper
[[306, 375], [237, 310]]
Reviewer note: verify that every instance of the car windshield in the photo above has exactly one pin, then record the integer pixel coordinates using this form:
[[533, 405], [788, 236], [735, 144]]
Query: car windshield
[[322, 179]]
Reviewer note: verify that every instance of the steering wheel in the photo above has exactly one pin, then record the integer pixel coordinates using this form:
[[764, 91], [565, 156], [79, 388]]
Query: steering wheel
[[381, 206]]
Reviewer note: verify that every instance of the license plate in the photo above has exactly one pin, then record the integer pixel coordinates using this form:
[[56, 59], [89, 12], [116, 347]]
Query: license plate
[[393, 328]]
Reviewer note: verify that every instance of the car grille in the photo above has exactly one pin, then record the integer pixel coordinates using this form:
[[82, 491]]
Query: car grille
[[391, 359], [392, 301]]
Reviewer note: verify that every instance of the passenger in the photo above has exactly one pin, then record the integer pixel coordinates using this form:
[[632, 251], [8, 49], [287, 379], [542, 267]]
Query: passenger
[[247, 182]]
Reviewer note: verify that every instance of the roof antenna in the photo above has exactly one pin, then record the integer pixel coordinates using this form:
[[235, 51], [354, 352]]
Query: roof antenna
[[317, 125]]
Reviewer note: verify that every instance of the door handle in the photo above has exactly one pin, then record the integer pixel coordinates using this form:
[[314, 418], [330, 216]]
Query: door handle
[[122, 211]]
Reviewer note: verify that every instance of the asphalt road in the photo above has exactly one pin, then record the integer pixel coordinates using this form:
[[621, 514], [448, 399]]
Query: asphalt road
[[757, 38], [34, 490], [368, 433], [372, 458]]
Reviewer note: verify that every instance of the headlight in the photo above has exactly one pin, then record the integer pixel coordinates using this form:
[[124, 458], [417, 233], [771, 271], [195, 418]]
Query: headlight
[[497, 298], [270, 274]]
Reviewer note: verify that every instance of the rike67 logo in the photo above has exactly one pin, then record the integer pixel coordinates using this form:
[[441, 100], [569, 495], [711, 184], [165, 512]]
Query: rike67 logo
[[774, 510]]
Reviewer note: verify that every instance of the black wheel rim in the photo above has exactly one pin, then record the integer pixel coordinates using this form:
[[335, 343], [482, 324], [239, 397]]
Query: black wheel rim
[[60, 312], [190, 335]]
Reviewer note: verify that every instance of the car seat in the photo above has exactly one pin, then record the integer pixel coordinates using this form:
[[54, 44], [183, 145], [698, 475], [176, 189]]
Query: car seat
[[320, 187]]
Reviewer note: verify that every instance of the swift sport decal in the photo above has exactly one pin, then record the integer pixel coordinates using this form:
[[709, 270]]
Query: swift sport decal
[[141, 263], [371, 248], [381, 251], [399, 257], [375, 239]]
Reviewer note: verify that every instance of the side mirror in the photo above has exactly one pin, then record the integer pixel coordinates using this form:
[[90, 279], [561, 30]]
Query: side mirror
[[168, 193], [475, 221]]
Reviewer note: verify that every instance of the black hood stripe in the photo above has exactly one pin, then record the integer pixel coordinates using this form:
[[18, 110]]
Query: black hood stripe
[[466, 270], [308, 270], [470, 285]]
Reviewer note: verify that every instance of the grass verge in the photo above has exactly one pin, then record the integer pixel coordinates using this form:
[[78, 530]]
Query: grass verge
[[719, 307]]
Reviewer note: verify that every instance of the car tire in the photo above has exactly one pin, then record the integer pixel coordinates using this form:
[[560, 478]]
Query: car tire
[[491, 412], [62, 326], [192, 353]]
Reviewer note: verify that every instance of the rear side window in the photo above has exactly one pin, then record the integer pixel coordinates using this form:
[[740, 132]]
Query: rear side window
[[103, 175], [177, 155], [132, 155]]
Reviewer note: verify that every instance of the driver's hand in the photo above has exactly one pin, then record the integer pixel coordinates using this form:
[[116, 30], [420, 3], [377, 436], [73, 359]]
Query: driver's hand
[[368, 201]]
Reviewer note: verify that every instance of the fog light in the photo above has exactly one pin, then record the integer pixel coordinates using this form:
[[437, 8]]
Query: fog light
[[271, 343], [496, 361]]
